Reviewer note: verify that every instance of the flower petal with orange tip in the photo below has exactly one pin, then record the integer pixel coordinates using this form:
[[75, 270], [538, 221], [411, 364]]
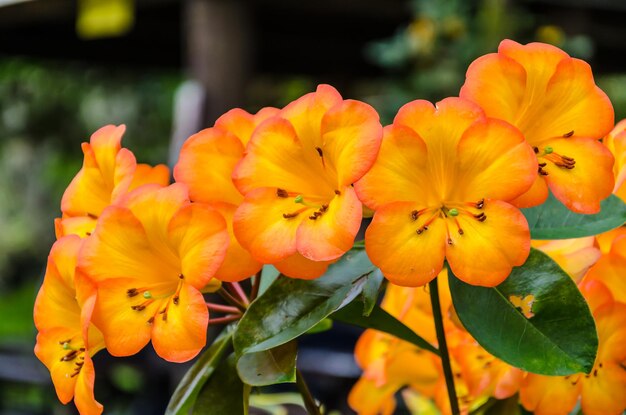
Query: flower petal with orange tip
[[242, 124], [84, 398], [536, 195], [180, 332], [206, 163], [332, 233], [611, 269], [368, 398], [147, 174], [487, 250], [393, 244], [351, 133], [550, 395], [297, 266], [394, 176], [79, 225], [582, 187]]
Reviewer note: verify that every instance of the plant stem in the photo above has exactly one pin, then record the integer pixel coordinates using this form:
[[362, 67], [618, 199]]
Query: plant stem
[[222, 308], [228, 297], [223, 320], [239, 292], [443, 347], [256, 284], [309, 400]]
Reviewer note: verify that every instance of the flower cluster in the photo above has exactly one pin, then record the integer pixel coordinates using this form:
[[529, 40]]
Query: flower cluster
[[288, 187]]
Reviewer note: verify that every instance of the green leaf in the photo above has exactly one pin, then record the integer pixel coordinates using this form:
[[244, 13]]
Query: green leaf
[[371, 289], [551, 332], [269, 367], [187, 390], [224, 392], [322, 326], [381, 320], [552, 220], [290, 307], [268, 276]]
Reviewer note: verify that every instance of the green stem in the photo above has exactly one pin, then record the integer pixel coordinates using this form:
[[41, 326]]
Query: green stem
[[309, 401], [443, 347]]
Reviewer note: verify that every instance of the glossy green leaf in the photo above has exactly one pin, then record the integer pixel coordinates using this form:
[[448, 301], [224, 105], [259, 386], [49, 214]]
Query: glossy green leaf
[[381, 320], [371, 288], [185, 394], [320, 327], [268, 276], [224, 392], [269, 367], [552, 220], [550, 332], [290, 307]]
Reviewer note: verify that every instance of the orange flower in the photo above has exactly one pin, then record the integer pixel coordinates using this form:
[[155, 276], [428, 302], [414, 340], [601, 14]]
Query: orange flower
[[221, 148], [440, 188], [601, 391], [150, 255], [67, 341], [109, 171], [615, 141], [610, 270], [575, 256], [553, 100], [300, 210]]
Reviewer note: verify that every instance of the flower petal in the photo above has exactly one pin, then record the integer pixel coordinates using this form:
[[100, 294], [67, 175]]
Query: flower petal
[[582, 188], [494, 162], [82, 226], [199, 235], [536, 195], [297, 266], [351, 136], [549, 395], [399, 172], [206, 163], [331, 234], [181, 335], [404, 257], [147, 174], [487, 251], [84, 398], [260, 227], [242, 124]]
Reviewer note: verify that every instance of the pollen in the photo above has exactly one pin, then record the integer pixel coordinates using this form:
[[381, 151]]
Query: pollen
[[282, 193]]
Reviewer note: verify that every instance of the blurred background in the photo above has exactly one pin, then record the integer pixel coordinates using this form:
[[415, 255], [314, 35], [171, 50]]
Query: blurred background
[[168, 68]]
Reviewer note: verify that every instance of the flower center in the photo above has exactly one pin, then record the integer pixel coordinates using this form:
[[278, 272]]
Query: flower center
[[147, 298], [449, 210], [317, 205], [75, 354], [558, 160]]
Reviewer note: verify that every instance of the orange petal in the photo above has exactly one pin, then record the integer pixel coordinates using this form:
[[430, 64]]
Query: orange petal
[[84, 398], [610, 271], [536, 195], [404, 257], [351, 136], [106, 174], [615, 141], [494, 162], [276, 157], [487, 251], [297, 266], [306, 113], [146, 174], [590, 181], [181, 336], [550, 395], [126, 331], [238, 263], [82, 226], [199, 235], [368, 398], [242, 124], [399, 172], [121, 248], [49, 352], [331, 234], [206, 163], [260, 227]]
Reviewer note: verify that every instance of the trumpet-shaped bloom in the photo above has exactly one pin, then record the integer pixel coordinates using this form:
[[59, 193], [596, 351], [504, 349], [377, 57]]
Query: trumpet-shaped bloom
[[109, 171], [615, 141], [602, 390], [440, 188], [575, 256], [221, 148], [297, 177], [150, 255], [553, 100], [67, 341]]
